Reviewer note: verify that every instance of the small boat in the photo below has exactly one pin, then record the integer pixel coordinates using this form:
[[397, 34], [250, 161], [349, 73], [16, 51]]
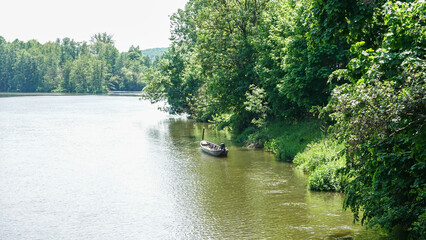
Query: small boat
[[213, 149]]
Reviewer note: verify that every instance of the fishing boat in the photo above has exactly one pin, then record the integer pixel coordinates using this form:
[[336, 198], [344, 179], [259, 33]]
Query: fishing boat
[[213, 149]]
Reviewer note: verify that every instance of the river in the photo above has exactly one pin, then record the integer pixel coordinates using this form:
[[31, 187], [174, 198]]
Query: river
[[115, 167]]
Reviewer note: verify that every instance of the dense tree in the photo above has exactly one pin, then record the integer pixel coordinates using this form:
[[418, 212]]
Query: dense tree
[[133, 66], [69, 66], [295, 73], [210, 65], [177, 77], [221, 48], [381, 117], [27, 76], [8, 56], [70, 50], [50, 68]]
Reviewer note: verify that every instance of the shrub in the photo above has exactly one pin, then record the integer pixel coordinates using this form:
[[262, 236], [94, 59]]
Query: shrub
[[318, 153], [323, 160], [328, 176]]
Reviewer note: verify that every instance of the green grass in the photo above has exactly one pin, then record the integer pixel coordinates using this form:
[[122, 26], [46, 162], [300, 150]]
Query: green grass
[[286, 140], [323, 160]]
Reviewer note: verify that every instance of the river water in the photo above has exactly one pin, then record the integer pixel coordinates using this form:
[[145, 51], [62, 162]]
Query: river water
[[114, 167]]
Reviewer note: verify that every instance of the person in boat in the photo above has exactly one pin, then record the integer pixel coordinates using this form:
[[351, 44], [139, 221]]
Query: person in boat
[[222, 146]]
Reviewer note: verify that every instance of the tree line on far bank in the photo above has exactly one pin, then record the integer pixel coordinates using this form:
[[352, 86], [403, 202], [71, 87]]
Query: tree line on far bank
[[72, 67], [264, 68]]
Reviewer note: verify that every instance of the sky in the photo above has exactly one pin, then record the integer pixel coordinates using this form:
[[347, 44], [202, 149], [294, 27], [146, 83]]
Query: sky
[[143, 23]]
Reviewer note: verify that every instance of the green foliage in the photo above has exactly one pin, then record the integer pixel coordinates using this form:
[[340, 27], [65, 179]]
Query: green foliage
[[328, 177], [389, 187], [179, 73], [69, 66], [291, 71], [177, 81], [354, 21], [323, 160], [87, 75], [285, 140], [381, 116], [318, 153], [243, 138], [255, 103], [210, 64], [291, 139], [227, 55], [221, 48]]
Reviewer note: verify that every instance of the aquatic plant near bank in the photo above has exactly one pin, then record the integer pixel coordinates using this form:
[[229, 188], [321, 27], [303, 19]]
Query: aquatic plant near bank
[[285, 139]]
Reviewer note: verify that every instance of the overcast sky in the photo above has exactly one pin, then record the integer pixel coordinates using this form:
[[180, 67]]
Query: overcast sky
[[143, 23]]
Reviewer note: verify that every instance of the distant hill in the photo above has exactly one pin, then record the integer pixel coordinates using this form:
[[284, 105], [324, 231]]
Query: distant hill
[[154, 52]]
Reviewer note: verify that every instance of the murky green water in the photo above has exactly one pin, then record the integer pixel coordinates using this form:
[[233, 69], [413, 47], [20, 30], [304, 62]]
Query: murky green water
[[102, 167]]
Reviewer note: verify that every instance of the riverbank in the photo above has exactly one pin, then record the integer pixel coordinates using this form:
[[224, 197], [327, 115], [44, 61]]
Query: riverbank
[[20, 94], [284, 139], [110, 93]]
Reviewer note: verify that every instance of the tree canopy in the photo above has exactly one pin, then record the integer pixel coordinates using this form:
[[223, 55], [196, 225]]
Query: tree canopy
[[69, 66]]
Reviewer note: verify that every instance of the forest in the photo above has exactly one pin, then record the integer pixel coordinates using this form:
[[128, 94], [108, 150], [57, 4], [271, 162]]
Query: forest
[[154, 53], [71, 67], [335, 86]]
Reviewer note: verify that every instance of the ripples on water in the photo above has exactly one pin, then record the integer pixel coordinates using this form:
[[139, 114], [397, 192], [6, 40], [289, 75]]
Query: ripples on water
[[102, 167]]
